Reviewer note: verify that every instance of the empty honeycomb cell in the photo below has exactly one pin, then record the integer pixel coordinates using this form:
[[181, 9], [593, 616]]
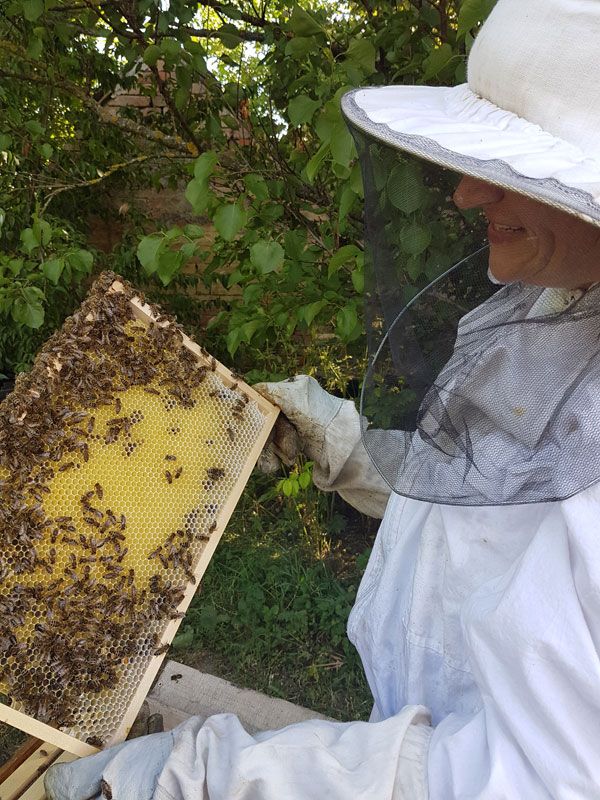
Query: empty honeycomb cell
[[115, 459]]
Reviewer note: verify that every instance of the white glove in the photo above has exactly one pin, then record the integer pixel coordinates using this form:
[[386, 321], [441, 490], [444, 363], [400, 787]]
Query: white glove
[[327, 431]]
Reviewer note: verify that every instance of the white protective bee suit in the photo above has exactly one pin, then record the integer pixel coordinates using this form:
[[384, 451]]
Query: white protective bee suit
[[478, 625]]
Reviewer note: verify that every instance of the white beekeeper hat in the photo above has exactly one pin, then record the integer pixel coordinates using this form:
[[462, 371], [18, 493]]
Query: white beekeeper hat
[[528, 119]]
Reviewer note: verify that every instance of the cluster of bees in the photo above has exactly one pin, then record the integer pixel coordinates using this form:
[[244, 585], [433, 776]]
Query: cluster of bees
[[74, 612]]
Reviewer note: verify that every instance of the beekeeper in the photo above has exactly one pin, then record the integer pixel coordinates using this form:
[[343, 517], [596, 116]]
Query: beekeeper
[[478, 618]]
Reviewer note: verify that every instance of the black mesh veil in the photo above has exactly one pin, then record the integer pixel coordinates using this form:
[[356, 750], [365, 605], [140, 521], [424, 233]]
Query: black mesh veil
[[476, 393]]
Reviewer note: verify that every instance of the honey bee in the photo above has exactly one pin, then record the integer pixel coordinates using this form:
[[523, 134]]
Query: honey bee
[[96, 741]]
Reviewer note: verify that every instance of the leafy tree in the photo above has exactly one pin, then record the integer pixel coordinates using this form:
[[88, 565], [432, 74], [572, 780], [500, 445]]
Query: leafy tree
[[263, 148]]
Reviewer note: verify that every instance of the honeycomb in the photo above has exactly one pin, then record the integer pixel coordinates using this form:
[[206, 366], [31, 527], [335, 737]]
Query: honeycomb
[[117, 452]]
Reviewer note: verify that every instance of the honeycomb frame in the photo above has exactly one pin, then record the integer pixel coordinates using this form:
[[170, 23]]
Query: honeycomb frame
[[256, 418]]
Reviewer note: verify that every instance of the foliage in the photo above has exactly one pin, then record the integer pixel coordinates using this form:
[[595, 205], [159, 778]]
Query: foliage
[[263, 147]]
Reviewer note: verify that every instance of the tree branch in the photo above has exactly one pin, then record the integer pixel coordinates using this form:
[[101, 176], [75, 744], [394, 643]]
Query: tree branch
[[107, 116], [258, 22], [208, 33], [94, 181]]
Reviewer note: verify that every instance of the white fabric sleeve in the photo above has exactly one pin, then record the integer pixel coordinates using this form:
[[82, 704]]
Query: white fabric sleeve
[[310, 760], [344, 465], [533, 637]]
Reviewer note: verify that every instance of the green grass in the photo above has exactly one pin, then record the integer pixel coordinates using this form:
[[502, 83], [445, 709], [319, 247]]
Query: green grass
[[272, 609]]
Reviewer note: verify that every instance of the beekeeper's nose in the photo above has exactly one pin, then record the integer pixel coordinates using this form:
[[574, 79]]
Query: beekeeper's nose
[[473, 193]]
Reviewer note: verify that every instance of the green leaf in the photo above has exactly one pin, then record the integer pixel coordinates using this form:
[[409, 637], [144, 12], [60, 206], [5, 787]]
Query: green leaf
[[29, 240], [33, 127], [35, 48], [437, 60], [303, 24], [205, 165], [42, 232], [345, 254], [414, 267], [32, 10], [310, 311], [171, 48], [233, 341], [302, 109], [81, 260], [197, 194], [471, 13], [405, 188], [188, 249], [229, 35], [151, 55], [415, 239], [347, 199], [2, 218], [362, 53], [266, 256], [181, 97], [169, 264], [148, 252], [299, 47], [229, 220], [314, 164], [294, 242], [257, 186], [5, 141], [28, 310], [304, 480], [346, 321], [53, 269], [47, 150], [358, 280], [252, 294], [193, 231], [342, 145]]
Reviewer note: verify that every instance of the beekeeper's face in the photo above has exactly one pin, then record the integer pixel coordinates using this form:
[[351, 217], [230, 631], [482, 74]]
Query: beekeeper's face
[[533, 242]]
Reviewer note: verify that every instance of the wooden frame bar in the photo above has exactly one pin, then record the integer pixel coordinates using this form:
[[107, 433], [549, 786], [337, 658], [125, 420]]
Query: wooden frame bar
[[269, 412]]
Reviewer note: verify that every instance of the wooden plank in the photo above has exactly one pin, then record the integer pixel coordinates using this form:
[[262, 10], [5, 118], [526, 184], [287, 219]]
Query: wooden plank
[[44, 732], [36, 791], [29, 771], [22, 754]]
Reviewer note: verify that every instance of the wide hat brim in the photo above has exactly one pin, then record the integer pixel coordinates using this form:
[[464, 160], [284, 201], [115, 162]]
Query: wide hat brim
[[457, 129]]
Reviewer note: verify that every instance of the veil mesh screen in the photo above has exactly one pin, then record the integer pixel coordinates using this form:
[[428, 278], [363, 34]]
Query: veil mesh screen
[[475, 394]]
